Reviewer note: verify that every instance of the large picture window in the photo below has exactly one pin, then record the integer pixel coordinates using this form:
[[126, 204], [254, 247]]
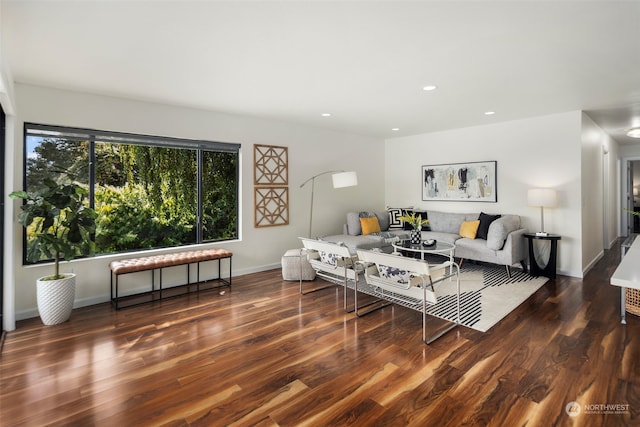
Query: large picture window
[[149, 192]]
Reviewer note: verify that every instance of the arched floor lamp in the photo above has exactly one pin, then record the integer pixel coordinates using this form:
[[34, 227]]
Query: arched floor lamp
[[340, 179]]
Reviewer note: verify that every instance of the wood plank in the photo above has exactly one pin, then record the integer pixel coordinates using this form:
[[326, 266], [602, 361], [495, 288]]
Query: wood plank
[[264, 355]]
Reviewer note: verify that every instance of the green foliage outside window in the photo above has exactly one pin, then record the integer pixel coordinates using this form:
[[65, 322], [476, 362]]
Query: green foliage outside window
[[145, 196], [128, 221]]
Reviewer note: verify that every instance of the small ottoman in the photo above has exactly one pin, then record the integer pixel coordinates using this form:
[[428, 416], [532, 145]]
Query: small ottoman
[[294, 263]]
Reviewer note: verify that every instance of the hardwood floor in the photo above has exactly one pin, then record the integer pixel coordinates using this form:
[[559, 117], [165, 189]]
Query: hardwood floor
[[265, 355]]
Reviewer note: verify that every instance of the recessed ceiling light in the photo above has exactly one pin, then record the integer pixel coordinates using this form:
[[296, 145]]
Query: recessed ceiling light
[[489, 113], [326, 114], [634, 132], [395, 129], [429, 87]]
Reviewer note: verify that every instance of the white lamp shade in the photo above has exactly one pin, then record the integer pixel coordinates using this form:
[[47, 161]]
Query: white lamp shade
[[544, 197], [344, 179]]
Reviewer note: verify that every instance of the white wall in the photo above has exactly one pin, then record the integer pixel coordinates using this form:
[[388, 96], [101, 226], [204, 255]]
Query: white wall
[[592, 193], [630, 150], [537, 152], [8, 105], [6, 81], [311, 151], [612, 202], [600, 152]]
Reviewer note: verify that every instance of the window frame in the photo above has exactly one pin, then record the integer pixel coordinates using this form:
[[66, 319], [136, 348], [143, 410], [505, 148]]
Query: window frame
[[92, 136]]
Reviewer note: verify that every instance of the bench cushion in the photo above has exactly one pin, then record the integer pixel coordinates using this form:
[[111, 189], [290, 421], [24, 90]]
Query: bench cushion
[[167, 260]]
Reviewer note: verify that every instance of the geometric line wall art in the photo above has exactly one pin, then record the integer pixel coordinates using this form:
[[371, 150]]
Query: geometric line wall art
[[271, 180], [271, 165], [271, 206]]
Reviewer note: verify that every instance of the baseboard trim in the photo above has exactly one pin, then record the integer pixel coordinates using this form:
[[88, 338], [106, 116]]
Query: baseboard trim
[[592, 263], [106, 297]]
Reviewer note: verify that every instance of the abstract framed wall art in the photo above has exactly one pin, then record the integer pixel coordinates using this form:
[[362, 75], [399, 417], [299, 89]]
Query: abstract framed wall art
[[469, 182]]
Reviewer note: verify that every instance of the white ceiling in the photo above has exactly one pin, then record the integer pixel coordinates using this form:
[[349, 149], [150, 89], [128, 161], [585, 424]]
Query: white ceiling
[[363, 62]]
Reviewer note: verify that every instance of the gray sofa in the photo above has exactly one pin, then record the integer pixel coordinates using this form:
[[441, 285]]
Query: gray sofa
[[504, 243]]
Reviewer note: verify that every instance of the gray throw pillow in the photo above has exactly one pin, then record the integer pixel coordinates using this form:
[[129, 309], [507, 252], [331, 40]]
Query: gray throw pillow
[[383, 219], [353, 224]]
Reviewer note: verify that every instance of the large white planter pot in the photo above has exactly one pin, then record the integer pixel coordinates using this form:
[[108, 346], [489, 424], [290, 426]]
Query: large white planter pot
[[55, 299]]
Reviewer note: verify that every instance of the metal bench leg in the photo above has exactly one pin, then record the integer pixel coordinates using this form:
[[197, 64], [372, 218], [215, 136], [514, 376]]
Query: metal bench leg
[[198, 277]]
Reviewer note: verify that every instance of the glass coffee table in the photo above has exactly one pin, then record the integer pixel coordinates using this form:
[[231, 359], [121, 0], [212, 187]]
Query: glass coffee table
[[440, 248]]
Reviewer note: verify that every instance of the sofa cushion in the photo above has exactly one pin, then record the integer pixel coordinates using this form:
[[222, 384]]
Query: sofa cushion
[[475, 249], [441, 237], [369, 225], [446, 222], [354, 243], [499, 229], [485, 222], [469, 229]]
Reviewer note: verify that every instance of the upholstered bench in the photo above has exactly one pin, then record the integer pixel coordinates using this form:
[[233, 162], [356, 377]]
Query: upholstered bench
[[158, 262]]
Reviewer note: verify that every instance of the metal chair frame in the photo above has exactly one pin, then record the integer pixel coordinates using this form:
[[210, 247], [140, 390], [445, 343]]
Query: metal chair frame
[[419, 291], [345, 272]]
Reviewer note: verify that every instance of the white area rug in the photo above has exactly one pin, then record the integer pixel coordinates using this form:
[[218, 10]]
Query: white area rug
[[486, 295]]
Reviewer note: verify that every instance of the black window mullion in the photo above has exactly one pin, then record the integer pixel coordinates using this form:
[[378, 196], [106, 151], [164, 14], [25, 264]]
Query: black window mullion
[[199, 233], [92, 171]]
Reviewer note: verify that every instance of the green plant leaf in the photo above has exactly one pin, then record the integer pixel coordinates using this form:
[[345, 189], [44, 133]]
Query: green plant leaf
[[19, 195], [59, 223]]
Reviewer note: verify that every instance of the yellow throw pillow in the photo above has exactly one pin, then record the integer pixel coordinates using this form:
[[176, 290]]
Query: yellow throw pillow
[[469, 229], [369, 225]]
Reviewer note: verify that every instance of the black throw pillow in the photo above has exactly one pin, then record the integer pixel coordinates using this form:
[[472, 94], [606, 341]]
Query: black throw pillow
[[485, 222]]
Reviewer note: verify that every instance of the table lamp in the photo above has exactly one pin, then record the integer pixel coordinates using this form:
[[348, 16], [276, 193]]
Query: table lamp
[[544, 198]]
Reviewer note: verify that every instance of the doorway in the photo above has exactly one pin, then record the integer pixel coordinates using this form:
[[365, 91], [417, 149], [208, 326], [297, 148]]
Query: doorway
[[634, 196]]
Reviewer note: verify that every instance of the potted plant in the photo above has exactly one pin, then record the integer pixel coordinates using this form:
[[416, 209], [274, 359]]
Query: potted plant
[[59, 225], [416, 222]]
